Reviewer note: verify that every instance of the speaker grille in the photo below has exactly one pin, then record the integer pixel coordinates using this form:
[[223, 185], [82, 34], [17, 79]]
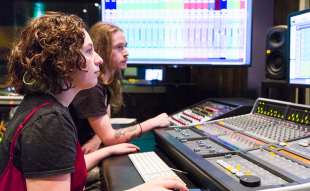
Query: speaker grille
[[276, 64]]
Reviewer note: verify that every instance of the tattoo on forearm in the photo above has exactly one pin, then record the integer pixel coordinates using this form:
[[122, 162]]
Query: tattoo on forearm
[[133, 136], [121, 132]]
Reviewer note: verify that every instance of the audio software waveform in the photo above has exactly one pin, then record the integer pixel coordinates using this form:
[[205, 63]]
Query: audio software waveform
[[177, 29]]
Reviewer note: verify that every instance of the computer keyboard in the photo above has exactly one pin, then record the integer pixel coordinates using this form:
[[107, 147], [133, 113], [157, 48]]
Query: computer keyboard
[[150, 166]]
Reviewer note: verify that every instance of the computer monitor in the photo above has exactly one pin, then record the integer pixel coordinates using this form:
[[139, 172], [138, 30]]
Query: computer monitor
[[298, 48], [154, 74], [184, 32]]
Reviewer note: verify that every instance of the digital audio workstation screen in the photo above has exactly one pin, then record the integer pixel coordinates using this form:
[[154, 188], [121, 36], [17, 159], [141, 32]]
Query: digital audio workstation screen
[[300, 49], [183, 31]]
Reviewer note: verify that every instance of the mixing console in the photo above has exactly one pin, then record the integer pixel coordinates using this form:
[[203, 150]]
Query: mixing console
[[210, 109], [267, 148]]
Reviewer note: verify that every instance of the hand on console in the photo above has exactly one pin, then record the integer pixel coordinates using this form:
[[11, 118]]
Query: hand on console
[[161, 184]]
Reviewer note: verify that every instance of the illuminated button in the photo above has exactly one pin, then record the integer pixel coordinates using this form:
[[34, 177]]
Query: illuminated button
[[177, 129], [248, 173], [238, 174], [304, 143], [212, 151], [198, 127], [234, 171], [272, 153], [230, 168], [180, 137], [282, 144], [238, 167]]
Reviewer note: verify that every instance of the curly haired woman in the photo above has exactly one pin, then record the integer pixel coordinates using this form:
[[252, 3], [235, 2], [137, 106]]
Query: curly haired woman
[[51, 62]]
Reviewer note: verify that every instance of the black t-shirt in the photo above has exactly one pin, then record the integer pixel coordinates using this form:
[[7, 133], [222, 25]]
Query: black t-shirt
[[88, 103], [47, 144]]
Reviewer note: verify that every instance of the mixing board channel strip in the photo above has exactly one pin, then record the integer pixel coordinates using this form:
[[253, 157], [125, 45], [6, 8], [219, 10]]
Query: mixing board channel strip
[[184, 132], [206, 146], [290, 154], [294, 169], [298, 146], [244, 164]]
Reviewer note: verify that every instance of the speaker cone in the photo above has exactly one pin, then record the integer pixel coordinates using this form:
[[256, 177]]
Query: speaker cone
[[276, 63], [276, 39]]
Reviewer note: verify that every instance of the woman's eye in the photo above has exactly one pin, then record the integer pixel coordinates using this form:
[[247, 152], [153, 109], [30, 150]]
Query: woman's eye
[[89, 51]]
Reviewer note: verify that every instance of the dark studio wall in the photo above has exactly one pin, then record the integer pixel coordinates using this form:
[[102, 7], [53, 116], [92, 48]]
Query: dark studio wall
[[266, 14], [263, 12]]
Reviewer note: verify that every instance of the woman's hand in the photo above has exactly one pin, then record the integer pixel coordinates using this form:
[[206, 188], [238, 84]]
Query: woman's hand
[[163, 183], [91, 145], [123, 148], [162, 120]]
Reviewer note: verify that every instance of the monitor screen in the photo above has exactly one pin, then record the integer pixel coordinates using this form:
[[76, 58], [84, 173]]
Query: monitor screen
[[154, 74], [184, 32], [299, 48]]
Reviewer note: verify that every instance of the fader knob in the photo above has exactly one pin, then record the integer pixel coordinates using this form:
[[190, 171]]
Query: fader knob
[[250, 180]]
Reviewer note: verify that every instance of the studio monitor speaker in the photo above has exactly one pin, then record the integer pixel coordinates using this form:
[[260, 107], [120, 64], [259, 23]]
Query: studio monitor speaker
[[276, 52]]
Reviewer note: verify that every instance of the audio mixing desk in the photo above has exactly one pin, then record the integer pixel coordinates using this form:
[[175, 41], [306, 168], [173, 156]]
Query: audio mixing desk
[[214, 108], [266, 149]]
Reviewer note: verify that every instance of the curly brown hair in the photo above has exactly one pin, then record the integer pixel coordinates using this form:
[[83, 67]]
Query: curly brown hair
[[47, 51], [101, 35]]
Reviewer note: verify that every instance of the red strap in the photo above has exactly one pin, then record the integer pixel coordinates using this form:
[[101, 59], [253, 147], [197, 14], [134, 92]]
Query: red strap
[[21, 126]]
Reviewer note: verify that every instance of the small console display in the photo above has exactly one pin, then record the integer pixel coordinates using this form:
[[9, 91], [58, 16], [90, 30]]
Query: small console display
[[207, 110]]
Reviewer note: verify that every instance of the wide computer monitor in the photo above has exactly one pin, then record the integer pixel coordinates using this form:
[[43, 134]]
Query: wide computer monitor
[[184, 32], [298, 48]]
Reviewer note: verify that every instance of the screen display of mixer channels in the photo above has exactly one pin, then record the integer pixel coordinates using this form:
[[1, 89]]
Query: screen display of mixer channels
[[189, 32], [298, 48]]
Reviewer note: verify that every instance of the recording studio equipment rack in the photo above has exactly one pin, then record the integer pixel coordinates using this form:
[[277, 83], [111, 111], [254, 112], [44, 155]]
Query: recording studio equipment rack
[[266, 149], [214, 108]]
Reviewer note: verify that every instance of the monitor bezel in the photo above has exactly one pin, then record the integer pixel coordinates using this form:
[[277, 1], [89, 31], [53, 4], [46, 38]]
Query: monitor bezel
[[288, 49]]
